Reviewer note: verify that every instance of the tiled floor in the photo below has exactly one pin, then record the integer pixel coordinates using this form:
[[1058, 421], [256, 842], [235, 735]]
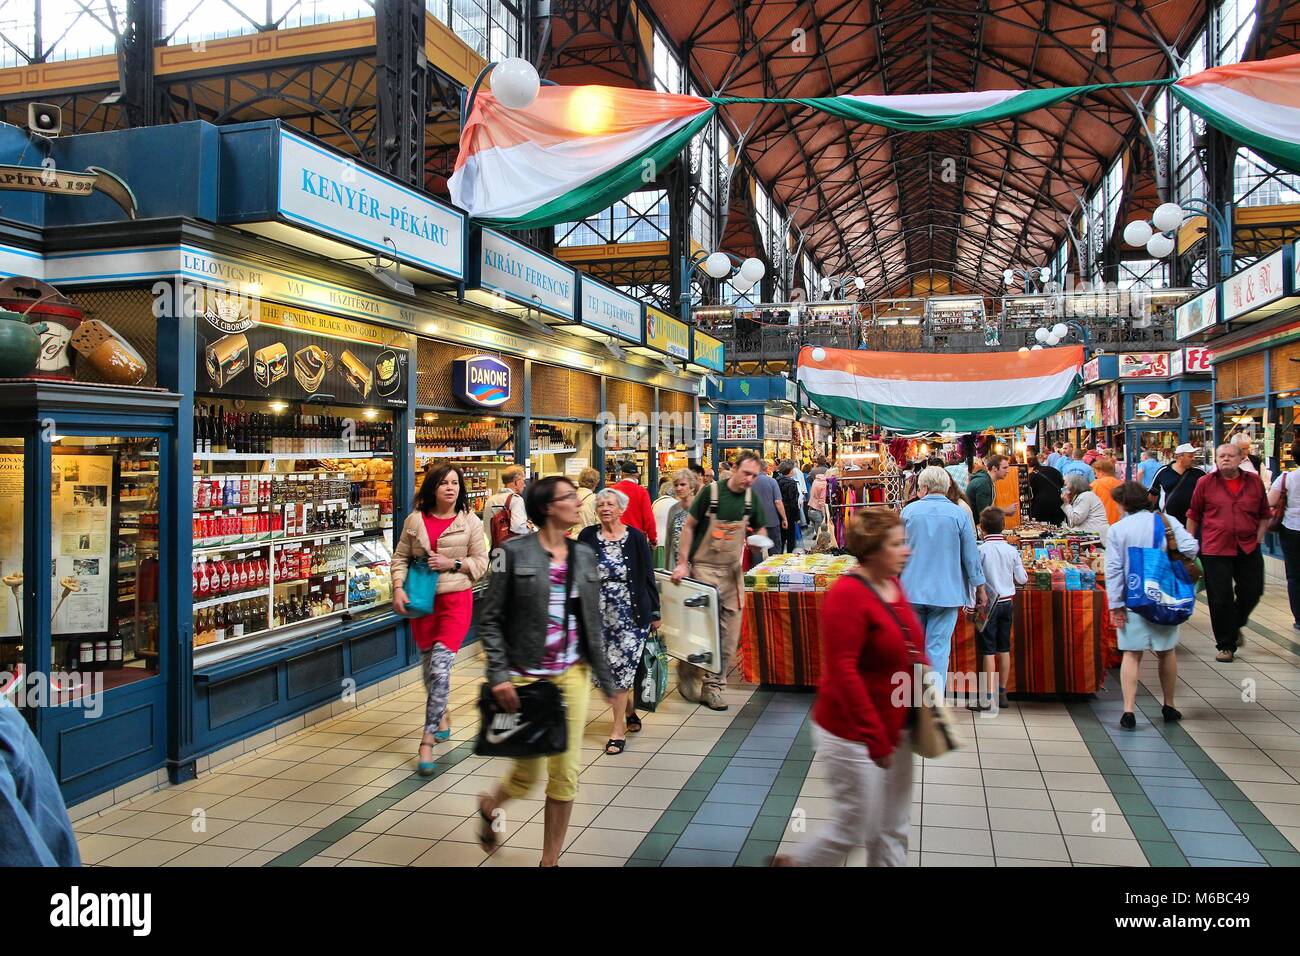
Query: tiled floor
[[1042, 783]]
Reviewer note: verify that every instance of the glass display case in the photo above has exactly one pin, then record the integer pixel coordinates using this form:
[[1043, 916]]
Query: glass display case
[[560, 448], [480, 446], [626, 443], [292, 518]]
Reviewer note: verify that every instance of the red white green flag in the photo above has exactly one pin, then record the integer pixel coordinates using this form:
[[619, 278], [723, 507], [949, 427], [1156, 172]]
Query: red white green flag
[[575, 151], [924, 392]]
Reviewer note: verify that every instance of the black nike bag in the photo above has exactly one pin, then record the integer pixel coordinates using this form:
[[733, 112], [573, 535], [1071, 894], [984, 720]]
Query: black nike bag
[[537, 729]]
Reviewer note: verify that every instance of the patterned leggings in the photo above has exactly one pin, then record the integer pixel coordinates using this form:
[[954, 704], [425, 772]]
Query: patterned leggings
[[435, 668]]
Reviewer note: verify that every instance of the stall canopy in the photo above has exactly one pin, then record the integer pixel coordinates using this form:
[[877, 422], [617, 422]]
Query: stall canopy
[[918, 391]]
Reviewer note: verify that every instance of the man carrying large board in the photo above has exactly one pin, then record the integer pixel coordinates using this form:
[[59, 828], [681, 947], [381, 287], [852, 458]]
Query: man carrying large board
[[712, 548]]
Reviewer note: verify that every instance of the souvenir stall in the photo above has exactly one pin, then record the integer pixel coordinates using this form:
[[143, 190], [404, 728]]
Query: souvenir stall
[[1062, 641]]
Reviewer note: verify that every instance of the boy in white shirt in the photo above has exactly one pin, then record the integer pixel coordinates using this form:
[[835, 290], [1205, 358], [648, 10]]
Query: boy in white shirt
[[1003, 570]]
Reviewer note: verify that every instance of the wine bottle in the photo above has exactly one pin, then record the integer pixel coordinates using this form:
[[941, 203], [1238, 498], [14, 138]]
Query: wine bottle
[[237, 622]]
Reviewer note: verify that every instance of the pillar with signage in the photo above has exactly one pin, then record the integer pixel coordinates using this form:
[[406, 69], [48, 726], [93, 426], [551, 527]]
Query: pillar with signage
[[1162, 393]]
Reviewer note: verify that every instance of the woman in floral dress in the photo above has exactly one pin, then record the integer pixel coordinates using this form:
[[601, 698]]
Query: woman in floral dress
[[629, 604]]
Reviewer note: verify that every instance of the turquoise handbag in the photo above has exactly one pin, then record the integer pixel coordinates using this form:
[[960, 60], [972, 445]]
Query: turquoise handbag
[[420, 585]]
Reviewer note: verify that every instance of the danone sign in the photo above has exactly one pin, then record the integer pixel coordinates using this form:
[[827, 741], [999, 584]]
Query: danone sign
[[667, 334], [342, 199], [481, 380]]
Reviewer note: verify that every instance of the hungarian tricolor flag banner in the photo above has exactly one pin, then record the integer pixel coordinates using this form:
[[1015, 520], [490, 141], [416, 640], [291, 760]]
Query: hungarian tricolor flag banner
[[925, 392], [928, 112], [575, 151], [1256, 103]]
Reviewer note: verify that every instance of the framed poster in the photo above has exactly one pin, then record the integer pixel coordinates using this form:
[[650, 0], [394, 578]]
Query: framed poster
[[83, 542]]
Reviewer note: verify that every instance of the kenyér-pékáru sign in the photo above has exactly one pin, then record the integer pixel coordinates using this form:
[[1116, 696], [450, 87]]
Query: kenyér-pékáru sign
[[342, 199]]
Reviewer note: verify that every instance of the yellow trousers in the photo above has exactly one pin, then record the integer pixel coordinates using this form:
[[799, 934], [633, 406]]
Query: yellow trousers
[[561, 769]]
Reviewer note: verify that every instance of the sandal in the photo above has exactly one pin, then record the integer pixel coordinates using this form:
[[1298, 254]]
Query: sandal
[[425, 768], [487, 836], [633, 723], [441, 736], [615, 747]]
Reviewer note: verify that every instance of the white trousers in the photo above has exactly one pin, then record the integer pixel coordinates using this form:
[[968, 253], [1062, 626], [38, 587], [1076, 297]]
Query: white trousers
[[875, 804]]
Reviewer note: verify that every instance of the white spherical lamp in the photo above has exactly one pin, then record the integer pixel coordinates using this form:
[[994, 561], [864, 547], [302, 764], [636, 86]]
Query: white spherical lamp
[[1023, 348], [515, 83], [718, 266], [1160, 245], [1137, 232], [1167, 217], [752, 270], [1060, 330], [1051, 341], [1036, 348], [1041, 334], [819, 355], [1044, 275], [1008, 277]]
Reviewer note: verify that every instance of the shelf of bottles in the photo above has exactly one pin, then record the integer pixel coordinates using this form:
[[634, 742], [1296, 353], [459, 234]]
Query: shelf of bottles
[[136, 633], [481, 447], [283, 500]]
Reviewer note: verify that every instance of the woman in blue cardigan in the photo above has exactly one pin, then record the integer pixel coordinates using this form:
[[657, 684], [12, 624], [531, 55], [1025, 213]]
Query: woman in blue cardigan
[[629, 604]]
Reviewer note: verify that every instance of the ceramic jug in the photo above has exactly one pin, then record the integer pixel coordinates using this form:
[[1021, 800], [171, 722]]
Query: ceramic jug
[[20, 345]]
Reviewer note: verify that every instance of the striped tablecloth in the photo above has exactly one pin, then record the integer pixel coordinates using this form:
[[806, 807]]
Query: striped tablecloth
[[1072, 643]]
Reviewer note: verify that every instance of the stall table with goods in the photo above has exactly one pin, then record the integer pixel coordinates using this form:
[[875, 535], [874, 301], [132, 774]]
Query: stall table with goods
[[1062, 641]]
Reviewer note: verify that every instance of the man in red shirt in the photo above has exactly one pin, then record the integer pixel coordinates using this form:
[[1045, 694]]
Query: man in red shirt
[[640, 513], [1230, 510]]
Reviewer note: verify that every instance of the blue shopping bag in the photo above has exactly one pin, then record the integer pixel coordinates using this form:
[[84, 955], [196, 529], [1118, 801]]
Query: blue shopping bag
[[1158, 587]]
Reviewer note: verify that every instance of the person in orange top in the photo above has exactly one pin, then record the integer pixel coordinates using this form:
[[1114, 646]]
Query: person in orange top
[[1104, 484]]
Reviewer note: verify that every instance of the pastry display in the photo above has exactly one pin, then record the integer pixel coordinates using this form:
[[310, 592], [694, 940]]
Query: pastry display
[[112, 356]]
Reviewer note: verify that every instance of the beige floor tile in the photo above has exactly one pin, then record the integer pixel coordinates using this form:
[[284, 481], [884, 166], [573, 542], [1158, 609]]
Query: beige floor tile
[[221, 783], [698, 748], [1017, 779], [326, 817], [1271, 792], [260, 766], [426, 826], [1007, 745], [997, 761], [381, 822], [573, 860], [1088, 782], [147, 853], [450, 854], [97, 847], [185, 832], [1061, 748], [348, 844], [326, 793], [513, 856], [957, 796], [963, 861], [1292, 834], [1010, 861], [1106, 851], [290, 839], [184, 804], [292, 812], [1015, 798], [627, 818], [1256, 773], [240, 808], [307, 772], [251, 836], [529, 836], [143, 825], [1281, 814], [939, 815], [939, 839], [207, 856], [646, 798], [277, 788], [321, 862], [356, 776], [615, 843], [956, 776], [601, 794], [1031, 846], [1111, 825], [1052, 763], [673, 761], [1083, 801], [1023, 821], [385, 761], [387, 848], [256, 858]]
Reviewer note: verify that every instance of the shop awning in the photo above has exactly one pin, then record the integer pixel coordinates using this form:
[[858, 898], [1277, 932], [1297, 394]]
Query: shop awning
[[911, 391]]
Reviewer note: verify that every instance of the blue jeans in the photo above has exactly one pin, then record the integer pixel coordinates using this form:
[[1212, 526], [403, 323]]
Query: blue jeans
[[939, 623]]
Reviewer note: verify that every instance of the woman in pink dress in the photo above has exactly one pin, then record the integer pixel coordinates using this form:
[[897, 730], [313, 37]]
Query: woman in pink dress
[[444, 532]]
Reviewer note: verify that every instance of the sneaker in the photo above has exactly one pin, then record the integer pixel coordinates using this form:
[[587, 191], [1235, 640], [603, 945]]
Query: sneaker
[[1128, 721], [712, 698], [1224, 657], [1170, 714], [978, 705]]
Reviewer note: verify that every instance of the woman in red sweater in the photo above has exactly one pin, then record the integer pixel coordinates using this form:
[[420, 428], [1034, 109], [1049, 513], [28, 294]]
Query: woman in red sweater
[[863, 713]]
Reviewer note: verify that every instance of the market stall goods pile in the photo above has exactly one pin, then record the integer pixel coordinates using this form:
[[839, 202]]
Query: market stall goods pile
[[798, 572]]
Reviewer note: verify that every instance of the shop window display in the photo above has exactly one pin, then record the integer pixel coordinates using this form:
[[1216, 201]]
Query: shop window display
[[626, 443], [293, 517], [105, 558], [480, 446], [560, 448], [12, 627]]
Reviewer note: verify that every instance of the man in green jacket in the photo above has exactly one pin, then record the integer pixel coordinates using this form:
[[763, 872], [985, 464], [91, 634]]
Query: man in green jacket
[[979, 491]]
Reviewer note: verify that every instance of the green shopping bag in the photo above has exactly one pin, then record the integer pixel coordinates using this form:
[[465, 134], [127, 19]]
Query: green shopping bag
[[651, 675]]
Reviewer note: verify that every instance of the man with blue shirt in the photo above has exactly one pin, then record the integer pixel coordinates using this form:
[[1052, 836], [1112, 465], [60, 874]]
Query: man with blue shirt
[[944, 566], [1059, 457], [1078, 464], [1146, 470], [34, 826]]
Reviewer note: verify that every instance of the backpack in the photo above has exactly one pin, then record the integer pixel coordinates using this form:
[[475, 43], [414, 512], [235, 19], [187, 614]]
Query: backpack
[[499, 525]]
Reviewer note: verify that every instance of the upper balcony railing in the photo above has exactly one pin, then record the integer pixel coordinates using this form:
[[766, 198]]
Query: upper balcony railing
[[774, 332]]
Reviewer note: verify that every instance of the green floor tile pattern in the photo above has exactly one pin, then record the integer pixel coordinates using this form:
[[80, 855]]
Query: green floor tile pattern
[[1152, 835], [769, 826]]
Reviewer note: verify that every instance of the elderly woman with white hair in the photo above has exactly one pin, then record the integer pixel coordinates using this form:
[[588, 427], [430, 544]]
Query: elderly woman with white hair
[[944, 566], [629, 604], [1083, 509]]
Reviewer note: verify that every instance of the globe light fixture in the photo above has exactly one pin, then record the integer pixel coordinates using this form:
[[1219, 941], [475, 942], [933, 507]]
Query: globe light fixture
[[1044, 275], [1041, 334], [717, 265], [515, 83], [1167, 217], [752, 270], [1137, 232], [1008, 277], [1036, 348], [1160, 245], [819, 355], [1060, 331], [1023, 348]]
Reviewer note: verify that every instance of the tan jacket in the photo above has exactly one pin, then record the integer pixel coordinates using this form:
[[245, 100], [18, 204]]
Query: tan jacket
[[587, 512], [463, 540]]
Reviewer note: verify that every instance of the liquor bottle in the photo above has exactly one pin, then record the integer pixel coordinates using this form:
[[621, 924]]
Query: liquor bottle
[[237, 620], [101, 654], [220, 622], [115, 653]]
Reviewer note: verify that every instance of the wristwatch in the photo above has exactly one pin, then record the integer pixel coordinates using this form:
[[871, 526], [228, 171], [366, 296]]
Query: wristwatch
[[456, 566]]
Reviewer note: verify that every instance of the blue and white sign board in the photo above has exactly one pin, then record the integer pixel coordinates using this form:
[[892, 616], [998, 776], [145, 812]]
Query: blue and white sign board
[[341, 198], [609, 310], [483, 381], [525, 276]]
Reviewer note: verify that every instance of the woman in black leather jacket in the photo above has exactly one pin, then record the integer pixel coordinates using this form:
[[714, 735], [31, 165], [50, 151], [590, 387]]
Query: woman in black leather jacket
[[541, 621]]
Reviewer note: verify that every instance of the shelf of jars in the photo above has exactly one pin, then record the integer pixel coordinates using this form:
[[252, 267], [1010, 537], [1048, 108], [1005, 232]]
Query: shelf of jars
[[278, 500]]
